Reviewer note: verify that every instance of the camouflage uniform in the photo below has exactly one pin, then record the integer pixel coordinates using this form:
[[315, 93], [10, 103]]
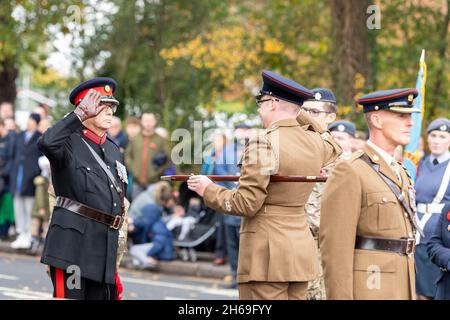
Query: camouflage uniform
[[316, 288]]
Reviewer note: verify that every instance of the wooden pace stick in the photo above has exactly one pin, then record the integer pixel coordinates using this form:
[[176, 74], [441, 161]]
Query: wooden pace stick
[[236, 178]]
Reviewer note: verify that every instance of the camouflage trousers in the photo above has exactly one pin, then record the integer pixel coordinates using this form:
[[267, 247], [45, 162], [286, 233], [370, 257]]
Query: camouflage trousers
[[316, 288]]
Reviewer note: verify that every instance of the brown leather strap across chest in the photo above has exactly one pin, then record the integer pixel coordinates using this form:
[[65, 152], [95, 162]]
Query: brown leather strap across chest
[[114, 222]]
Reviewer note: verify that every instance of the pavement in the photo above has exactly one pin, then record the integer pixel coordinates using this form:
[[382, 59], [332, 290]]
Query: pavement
[[202, 267], [23, 277]]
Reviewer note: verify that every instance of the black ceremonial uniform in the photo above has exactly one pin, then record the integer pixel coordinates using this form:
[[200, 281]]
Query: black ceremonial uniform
[[73, 239]]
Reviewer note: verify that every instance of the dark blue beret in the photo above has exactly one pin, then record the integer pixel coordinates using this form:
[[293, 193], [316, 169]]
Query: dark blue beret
[[323, 95], [396, 100], [343, 126], [284, 88], [441, 124], [106, 87]]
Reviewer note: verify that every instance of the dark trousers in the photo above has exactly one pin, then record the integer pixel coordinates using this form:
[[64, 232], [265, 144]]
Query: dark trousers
[[221, 240], [232, 236], [88, 290]]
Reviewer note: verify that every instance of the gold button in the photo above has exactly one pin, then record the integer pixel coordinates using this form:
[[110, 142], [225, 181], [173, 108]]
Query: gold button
[[410, 234], [375, 157], [406, 215], [384, 199]]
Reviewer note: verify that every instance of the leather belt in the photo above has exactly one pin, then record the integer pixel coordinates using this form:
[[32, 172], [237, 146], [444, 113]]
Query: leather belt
[[114, 222], [403, 246]]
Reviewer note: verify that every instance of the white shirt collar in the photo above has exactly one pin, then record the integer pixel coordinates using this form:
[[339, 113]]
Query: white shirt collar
[[386, 156], [442, 158]]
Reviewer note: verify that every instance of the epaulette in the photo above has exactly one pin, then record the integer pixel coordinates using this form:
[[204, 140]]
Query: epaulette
[[356, 155]]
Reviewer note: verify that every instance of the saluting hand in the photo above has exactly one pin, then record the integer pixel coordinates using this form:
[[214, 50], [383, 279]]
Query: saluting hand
[[89, 107], [198, 184]]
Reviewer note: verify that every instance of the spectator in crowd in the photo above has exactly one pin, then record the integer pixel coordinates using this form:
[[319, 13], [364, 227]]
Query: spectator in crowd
[[147, 155], [117, 134], [6, 164], [343, 132], [43, 110], [132, 127], [155, 193], [221, 162], [432, 195], [41, 206], [186, 220], [10, 125], [6, 110], [152, 239], [25, 169], [44, 124], [171, 168], [438, 249], [359, 141]]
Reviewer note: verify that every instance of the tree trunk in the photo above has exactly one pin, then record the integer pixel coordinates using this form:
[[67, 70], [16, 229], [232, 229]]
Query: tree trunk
[[440, 95], [8, 76], [351, 48]]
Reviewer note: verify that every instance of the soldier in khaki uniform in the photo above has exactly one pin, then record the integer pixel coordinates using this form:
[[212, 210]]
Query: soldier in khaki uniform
[[323, 109], [277, 253], [367, 225]]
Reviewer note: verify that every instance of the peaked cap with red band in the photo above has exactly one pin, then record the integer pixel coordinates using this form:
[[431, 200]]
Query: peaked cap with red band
[[396, 100], [284, 88], [106, 87]]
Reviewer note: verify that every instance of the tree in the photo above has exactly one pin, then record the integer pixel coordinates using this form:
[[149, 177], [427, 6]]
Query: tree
[[25, 28]]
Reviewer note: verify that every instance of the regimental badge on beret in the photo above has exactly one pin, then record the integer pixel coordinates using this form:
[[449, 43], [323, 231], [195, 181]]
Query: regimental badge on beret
[[107, 88], [443, 127], [318, 96], [341, 128]]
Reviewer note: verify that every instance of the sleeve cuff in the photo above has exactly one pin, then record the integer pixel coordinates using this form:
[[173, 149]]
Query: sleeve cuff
[[73, 122], [209, 195]]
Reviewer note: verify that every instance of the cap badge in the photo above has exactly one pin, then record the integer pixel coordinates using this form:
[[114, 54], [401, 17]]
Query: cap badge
[[410, 98], [443, 127], [377, 108], [107, 88], [318, 96], [341, 128]]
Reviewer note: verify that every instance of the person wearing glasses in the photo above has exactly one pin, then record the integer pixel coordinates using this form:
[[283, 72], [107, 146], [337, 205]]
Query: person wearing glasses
[[81, 246], [277, 253], [322, 107]]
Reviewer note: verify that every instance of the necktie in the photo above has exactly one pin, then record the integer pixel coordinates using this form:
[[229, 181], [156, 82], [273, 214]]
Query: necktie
[[435, 162], [144, 159]]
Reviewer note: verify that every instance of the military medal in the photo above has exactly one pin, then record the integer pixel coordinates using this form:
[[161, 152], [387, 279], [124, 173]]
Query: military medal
[[122, 172], [412, 198]]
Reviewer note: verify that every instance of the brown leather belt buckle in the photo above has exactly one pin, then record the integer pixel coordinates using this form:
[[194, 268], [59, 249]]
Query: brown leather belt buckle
[[410, 246], [117, 223]]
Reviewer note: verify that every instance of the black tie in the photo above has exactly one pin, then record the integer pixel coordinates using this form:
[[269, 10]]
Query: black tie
[[435, 162]]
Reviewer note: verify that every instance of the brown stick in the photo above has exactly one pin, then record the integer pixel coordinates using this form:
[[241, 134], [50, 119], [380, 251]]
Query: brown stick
[[236, 178]]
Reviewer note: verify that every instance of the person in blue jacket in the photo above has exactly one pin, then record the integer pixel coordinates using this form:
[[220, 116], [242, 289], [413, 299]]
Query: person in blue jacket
[[432, 194], [439, 252], [152, 240]]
